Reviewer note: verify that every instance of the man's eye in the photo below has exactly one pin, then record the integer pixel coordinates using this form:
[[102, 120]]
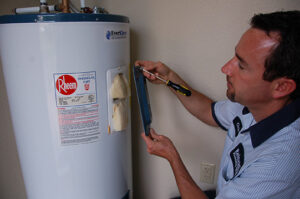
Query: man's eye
[[240, 66]]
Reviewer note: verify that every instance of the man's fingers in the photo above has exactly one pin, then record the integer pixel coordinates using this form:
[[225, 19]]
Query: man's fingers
[[145, 64], [153, 137], [153, 134], [148, 65], [151, 77], [140, 63], [147, 139]]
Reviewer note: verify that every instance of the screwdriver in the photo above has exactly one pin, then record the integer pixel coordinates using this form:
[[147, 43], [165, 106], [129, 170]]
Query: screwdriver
[[179, 88]]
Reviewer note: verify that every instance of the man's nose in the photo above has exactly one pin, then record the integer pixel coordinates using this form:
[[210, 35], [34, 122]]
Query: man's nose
[[228, 67]]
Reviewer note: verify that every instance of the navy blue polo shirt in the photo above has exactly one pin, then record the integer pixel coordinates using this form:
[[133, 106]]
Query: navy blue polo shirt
[[260, 160]]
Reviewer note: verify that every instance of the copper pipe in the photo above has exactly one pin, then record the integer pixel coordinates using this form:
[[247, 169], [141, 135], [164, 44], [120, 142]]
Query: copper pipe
[[65, 6]]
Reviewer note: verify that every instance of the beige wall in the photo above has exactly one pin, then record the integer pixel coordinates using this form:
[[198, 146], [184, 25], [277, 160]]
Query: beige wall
[[193, 37]]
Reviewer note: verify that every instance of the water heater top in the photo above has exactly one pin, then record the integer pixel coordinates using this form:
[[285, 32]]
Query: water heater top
[[62, 17]]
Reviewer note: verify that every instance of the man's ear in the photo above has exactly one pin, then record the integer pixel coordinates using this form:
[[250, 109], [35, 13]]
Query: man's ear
[[283, 87]]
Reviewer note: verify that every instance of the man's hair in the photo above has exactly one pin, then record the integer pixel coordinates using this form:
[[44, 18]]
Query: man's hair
[[284, 60]]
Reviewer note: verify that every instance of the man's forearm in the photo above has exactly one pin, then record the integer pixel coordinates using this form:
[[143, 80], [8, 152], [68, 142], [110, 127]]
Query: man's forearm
[[197, 104], [187, 186]]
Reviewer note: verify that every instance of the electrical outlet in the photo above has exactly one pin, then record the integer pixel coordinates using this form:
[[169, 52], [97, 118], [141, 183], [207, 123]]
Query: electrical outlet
[[207, 172]]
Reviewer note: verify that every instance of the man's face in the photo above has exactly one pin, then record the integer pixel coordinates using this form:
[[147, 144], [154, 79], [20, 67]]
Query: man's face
[[244, 72]]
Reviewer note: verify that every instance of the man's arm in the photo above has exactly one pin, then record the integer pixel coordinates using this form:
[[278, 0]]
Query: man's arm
[[197, 104], [162, 146]]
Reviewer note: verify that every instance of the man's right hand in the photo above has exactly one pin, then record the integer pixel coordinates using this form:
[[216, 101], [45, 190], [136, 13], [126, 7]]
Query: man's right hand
[[156, 68]]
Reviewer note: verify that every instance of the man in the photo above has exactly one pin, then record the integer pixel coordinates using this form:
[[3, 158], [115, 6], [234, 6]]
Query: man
[[262, 116]]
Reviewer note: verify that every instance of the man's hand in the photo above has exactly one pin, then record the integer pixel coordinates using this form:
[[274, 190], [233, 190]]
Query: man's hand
[[160, 145], [156, 68]]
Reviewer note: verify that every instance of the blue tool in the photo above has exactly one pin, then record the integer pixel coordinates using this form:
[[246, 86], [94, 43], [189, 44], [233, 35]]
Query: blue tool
[[143, 98]]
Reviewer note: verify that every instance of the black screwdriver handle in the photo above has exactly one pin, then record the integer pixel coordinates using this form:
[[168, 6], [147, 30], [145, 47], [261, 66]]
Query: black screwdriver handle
[[179, 88]]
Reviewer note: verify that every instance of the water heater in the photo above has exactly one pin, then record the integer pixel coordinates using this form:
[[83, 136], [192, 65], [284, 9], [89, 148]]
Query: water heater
[[67, 80]]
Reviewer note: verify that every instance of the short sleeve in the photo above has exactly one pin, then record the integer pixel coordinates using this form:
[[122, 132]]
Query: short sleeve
[[224, 112]]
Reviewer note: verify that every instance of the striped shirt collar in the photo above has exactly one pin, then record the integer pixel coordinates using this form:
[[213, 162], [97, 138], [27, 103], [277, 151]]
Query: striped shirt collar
[[264, 129]]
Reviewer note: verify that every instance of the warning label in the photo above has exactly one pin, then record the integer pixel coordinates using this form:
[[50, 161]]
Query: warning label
[[79, 125], [78, 111]]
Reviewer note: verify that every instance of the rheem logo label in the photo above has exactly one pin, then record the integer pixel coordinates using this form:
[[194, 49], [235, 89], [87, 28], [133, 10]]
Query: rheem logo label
[[66, 84]]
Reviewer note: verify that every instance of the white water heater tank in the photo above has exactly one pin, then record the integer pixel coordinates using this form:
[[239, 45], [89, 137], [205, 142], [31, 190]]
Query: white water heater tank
[[66, 77]]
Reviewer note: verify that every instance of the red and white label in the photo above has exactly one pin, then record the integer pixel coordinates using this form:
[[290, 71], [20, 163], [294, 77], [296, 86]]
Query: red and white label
[[78, 111], [66, 84]]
